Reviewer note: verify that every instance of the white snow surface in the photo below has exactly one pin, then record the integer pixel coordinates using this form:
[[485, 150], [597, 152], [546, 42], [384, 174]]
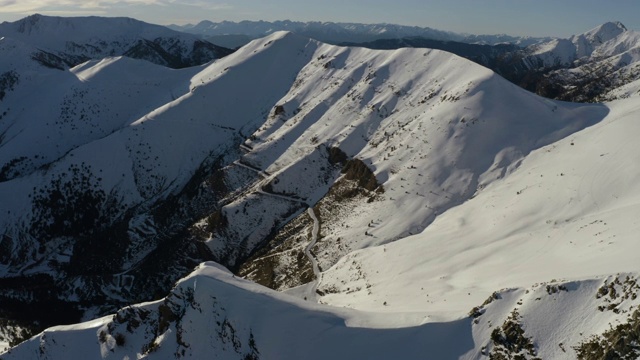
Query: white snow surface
[[567, 212]]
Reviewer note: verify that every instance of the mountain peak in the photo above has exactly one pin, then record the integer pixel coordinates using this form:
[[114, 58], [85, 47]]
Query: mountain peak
[[26, 24], [605, 32], [73, 40], [619, 24], [44, 25], [615, 26]]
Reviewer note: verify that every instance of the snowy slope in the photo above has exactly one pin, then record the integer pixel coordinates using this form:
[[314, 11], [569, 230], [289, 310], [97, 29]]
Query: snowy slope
[[567, 211], [141, 150], [77, 107], [559, 220]]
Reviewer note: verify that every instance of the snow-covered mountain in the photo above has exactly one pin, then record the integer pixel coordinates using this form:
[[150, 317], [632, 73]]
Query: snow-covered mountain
[[232, 34], [66, 42], [563, 52], [600, 64], [398, 189]]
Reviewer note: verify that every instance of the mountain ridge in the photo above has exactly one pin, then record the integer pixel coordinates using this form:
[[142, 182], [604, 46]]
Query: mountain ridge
[[240, 317]]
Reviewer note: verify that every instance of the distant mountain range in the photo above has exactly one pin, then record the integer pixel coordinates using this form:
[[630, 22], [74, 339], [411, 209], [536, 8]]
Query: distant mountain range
[[233, 34]]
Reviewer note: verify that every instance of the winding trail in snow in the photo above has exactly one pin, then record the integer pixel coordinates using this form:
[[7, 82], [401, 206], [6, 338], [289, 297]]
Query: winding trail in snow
[[283, 197], [312, 243], [265, 179], [258, 171]]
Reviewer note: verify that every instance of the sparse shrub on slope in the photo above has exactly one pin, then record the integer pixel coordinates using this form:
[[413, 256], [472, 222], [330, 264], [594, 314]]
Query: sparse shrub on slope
[[620, 342], [8, 81], [73, 204], [510, 342]]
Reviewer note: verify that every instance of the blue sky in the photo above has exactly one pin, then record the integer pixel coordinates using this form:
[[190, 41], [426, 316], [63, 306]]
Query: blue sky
[[515, 17]]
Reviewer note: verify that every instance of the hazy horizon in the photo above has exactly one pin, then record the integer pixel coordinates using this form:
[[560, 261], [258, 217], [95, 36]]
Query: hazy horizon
[[522, 18]]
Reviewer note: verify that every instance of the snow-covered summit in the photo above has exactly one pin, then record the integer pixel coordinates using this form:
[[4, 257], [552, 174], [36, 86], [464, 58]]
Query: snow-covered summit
[[77, 39], [53, 32], [563, 52], [588, 42], [588, 67], [605, 32], [212, 313]]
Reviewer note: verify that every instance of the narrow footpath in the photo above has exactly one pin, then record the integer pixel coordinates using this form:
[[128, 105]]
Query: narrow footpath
[[312, 243]]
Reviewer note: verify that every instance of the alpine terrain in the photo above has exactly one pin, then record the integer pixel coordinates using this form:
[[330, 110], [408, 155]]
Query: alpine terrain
[[296, 199]]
